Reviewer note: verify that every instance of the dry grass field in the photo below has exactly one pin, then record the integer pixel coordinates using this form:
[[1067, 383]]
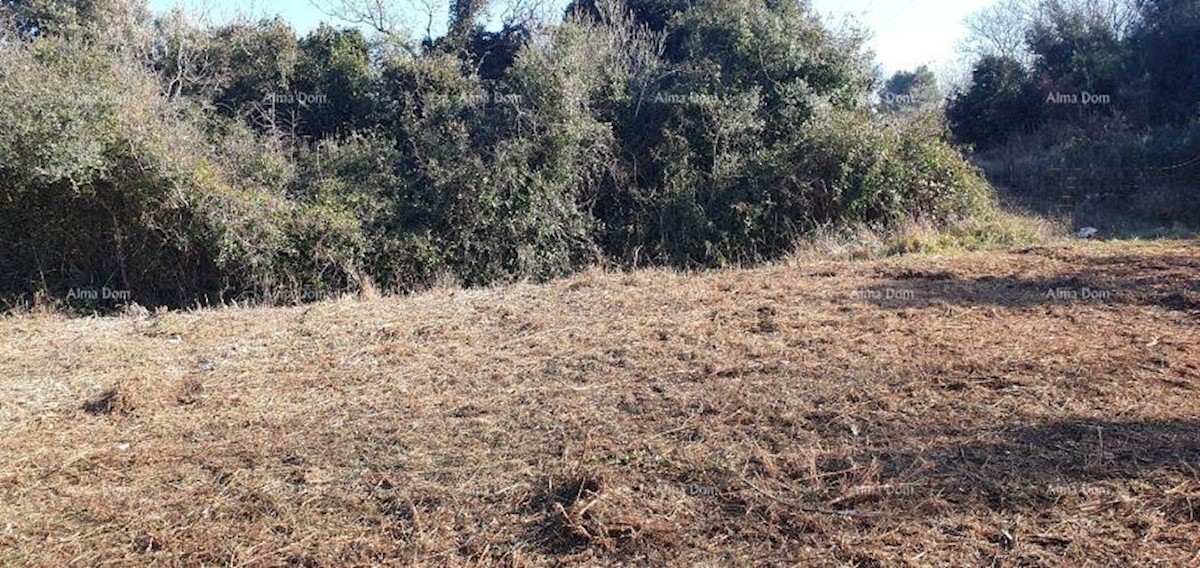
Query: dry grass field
[[1030, 407]]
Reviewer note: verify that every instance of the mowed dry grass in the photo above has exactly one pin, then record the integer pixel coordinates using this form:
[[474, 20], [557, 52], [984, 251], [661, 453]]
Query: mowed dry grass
[[910, 411]]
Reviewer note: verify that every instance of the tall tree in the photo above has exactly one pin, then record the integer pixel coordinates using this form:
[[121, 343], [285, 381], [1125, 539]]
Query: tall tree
[[1001, 100], [999, 30], [1166, 59], [1077, 47], [463, 19]]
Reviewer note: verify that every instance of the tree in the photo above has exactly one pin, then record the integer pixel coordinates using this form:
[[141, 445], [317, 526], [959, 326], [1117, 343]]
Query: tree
[[1001, 100], [1077, 47], [1166, 59], [332, 84], [463, 19], [255, 64], [390, 19], [181, 55], [656, 15], [908, 91], [999, 30], [111, 21]]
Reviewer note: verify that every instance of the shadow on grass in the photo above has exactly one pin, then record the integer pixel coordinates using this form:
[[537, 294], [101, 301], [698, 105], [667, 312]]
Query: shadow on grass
[[1074, 449], [1022, 467], [1168, 281]]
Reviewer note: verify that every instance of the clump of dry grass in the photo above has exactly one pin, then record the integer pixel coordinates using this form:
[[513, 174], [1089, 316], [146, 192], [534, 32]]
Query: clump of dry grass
[[912, 410], [991, 230]]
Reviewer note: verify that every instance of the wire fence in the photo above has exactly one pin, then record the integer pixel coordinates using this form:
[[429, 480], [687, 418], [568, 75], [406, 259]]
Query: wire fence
[[1065, 188]]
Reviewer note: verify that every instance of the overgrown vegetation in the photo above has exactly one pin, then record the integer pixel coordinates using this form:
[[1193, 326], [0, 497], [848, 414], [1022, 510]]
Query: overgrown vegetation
[[1090, 108], [173, 161]]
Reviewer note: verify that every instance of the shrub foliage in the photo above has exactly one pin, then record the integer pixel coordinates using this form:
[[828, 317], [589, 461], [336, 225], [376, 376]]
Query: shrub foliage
[[191, 163]]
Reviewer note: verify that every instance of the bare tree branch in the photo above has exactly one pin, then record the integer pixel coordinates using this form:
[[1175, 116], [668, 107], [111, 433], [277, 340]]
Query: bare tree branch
[[1000, 30], [381, 16]]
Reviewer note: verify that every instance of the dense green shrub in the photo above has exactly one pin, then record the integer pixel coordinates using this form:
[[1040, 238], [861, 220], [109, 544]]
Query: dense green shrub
[[106, 184], [703, 134], [487, 178], [331, 90], [740, 126], [250, 69]]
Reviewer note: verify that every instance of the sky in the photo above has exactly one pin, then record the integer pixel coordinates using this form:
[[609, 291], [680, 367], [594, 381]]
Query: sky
[[907, 33]]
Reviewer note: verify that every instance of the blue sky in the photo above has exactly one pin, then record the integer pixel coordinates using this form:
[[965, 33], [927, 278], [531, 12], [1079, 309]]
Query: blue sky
[[907, 33]]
